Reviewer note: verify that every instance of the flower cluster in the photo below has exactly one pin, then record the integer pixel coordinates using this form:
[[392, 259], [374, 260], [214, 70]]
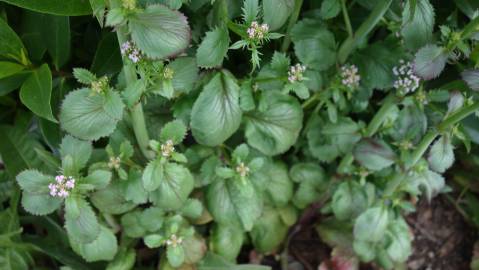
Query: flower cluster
[[128, 49], [406, 81], [174, 241], [167, 148], [129, 4], [100, 85], [349, 76], [295, 73], [114, 163], [257, 31], [242, 169], [168, 73], [62, 186]]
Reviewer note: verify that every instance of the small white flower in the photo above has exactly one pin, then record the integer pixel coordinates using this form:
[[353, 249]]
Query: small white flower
[[242, 169], [167, 148], [129, 50], [114, 163], [100, 85], [350, 76], [168, 73], [174, 241], [295, 73], [62, 186], [257, 31], [406, 81]]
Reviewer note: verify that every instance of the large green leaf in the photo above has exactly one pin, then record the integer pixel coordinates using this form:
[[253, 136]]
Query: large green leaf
[[349, 200], [275, 126], [417, 23], [10, 44], [107, 59], [185, 74], [159, 31], [40, 203], [175, 186], [82, 226], [216, 114], [374, 154], [57, 7], [57, 37], [279, 187], [226, 240], [371, 225], [269, 231], [34, 181], [213, 48], [36, 92], [89, 116], [430, 61], [111, 199], [276, 12], [103, 248]]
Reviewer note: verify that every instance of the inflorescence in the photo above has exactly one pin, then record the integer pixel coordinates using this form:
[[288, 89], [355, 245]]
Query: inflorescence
[[407, 81], [174, 241], [242, 169], [257, 31], [295, 73], [62, 186], [167, 148], [350, 76], [128, 49]]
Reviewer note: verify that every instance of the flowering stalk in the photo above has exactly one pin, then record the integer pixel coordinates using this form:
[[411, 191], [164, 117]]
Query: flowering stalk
[[137, 115]]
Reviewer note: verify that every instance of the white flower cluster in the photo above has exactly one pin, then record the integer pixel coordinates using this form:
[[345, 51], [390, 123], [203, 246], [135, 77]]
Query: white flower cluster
[[129, 50], [168, 73], [114, 163], [167, 148], [295, 73], [406, 81], [242, 169], [62, 186], [257, 31], [174, 241], [350, 76], [100, 85]]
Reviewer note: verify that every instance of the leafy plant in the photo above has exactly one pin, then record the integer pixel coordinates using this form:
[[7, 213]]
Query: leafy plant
[[193, 128]]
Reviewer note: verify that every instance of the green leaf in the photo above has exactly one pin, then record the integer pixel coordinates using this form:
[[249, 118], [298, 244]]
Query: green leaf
[[250, 10], [111, 199], [215, 262], [175, 186], [88, 116], [314, 44], [411, 124], [399, 247], [371, 225], [154, 240], [103, 248], [226, 241], [107, 59], [430, 61], [10, 44], [192, 209], [471, 77], [36, 92], [130, 223], [213, 48], [98, 179], [441, 155], [175, 255], [152, 175], [234, 202], [417, 23], [279, 188], [269, 231], [247, 102], [84, 227], [40, 203], [216, 114], [276, 12], [174, 130], [84, 76], [274, 128], [312, 182], [374, 154], [159, 31], [349, 200], [195, 249], [185, 74], [57, 37], [330, 9], [9, 68], [124, 260], [34, 181], [115, 16], [56, 7], [79, 150], [133, 92]]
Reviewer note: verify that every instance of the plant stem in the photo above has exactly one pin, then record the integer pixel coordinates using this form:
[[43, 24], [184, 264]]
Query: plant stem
[[347, 21], [371, 129], [137, 116], [292, 21]]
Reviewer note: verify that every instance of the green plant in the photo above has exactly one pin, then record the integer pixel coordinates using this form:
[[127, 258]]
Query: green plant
[[197, 127]]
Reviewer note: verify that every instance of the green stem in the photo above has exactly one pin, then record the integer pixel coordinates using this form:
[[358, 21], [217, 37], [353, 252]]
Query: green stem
[[372, 128], [137, 116], [347, 21], [292, 21]]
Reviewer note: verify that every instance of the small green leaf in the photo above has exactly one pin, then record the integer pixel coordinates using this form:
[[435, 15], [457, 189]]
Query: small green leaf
[[159, 31], [103, 248], [88, 116], [349, 200], [441, 155], [192, 209], [399, 248], [276, 12], [107, 59], [471, 77], [371, 225], [213, 48], [374, 154], [9, 68], [417, 23], [115, 17], [83, 76], [330, 9], [216, 114], [36, 92], [175, 255], [269, 231], [226, 241], [174, 130], [185, 74], [40, 203], [79, 150], [430, 61], [84, 227], [57, 37], [34, 181], [154, 240], [98, 179], [111, 199], [152, 175], [10, 44], [274, 128], [250, 10]]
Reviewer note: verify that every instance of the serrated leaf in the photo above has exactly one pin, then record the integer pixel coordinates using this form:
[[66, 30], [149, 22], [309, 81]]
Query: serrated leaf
[[276, 12], [174, 130], [175, 186], [159, 31], [279, 188], [374, 154], [274, 128], [216, 114], [40, 203], [84, 227], [98, 179], [441, 155], [471, 77], [103, 248], [371, 225], [312, 182], [417, 23], [430, 61], [175, 255], [349, 200], [330, 9], [111, 199], [79, 150], [213, 48], [36, 92], [34, 181], [83, 75], [152, 175], [226, 240], [88, 116], [269, 231], [250, 10], [185, 74]]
